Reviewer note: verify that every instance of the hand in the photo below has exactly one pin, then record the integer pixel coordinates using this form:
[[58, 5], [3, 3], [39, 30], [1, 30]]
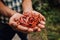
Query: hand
[[41, 21], [14, 23]]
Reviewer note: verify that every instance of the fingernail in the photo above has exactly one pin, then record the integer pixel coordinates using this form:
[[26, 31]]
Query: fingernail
[[42, 22], [41, 26], [30, 30], [39, 29], [35, 28]]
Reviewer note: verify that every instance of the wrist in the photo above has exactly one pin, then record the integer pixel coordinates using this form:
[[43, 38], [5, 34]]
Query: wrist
[[16, 14], [28, 10], [27, 5], [11, 13]]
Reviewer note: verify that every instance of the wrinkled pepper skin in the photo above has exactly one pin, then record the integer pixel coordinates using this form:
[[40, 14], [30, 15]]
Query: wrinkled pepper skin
[[29, 20]]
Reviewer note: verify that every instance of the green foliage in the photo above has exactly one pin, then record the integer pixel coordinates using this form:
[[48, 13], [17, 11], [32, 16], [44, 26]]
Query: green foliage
[[52, 15]]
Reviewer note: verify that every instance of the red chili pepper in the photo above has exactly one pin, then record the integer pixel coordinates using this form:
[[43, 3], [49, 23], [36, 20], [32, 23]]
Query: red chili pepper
[[29, 20]]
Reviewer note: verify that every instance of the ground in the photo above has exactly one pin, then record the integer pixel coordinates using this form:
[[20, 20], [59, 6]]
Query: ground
[[30, 37]]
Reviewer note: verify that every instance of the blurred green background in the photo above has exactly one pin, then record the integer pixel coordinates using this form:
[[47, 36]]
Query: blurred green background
[[51, 10]]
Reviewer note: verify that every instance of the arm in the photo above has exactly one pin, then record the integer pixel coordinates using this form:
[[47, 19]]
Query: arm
[[5, 10], [13, 18], [9, 12], [27, 5]]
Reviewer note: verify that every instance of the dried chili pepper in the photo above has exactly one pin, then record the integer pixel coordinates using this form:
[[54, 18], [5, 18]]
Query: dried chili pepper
[[29, 20]]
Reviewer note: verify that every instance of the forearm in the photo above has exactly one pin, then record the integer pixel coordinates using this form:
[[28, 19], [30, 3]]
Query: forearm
[[27, 5], [4, 10]]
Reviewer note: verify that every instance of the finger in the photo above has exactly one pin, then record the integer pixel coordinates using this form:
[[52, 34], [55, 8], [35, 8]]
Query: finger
[[42, 17], [42, 22], [35, 28], [38, 30], [26, 31], [41, 26], [22, 28], [30, 30]]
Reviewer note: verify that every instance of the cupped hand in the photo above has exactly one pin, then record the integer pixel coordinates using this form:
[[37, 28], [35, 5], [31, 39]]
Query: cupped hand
[[15, 24], [42, 20]]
